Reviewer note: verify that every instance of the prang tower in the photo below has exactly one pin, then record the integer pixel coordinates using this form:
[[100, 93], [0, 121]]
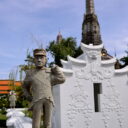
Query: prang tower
[[91, 27]]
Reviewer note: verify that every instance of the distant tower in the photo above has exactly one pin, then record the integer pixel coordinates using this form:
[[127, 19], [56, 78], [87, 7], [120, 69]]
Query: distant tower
[[59, 38], [90, 27]]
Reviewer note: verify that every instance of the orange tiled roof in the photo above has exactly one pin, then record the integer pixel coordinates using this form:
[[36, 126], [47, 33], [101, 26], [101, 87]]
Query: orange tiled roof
[[17, 83], [4, 86], [4, 92], [7, 82], [4, 82]]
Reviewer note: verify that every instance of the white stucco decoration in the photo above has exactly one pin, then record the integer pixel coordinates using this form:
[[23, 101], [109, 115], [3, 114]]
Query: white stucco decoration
[[65, 64], [15, 113], [74, 100], [73, 60], [124, 70], [91, 47], [17, 119], [67, 71], [111, 61]]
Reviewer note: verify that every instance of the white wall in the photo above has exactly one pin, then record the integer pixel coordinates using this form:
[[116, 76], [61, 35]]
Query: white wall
[[74, 99]]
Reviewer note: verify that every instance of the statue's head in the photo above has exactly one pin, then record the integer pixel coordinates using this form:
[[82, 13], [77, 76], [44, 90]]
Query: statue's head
[[40, 57]]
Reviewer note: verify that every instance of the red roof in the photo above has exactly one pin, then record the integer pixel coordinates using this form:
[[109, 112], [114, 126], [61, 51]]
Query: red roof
[[4, 92], [5, 85]]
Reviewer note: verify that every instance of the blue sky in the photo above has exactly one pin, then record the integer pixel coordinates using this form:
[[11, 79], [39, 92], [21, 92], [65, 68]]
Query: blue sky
[[24, 21]]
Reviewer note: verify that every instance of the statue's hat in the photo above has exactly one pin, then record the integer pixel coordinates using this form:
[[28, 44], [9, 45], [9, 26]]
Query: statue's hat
[[39, 52]]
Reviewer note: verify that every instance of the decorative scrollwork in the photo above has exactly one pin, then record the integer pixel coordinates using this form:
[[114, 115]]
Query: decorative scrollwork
[[79, 107]]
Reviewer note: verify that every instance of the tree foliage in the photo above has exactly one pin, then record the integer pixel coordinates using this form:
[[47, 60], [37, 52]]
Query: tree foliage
[[21, 100], [124, 59], [29, 63], [4, 103], [61, 50]]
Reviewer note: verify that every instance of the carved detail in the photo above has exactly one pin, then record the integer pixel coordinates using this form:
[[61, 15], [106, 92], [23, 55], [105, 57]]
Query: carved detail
[[92, 55], [106, 119], [79, 106], [108, 73], [114, 105], [93, 74]]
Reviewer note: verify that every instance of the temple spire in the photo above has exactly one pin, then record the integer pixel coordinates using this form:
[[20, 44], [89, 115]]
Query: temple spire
[[90, 7], [59, 37], [91, 27]]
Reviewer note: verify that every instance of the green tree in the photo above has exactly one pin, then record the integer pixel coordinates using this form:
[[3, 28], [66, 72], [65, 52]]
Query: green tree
[[12, 77], [124, 59], [21, 100], [4, 103], [61, 50], [29, 64]]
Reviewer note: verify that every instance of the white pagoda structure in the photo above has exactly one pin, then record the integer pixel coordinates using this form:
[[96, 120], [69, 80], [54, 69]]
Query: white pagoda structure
[[95, 94]]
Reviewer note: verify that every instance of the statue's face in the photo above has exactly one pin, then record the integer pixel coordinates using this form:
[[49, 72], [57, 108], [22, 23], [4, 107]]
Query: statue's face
[[40, 61]]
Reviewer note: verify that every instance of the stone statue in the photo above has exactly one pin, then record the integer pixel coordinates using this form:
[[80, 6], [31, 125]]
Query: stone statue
[[12, 99], [38, 88]]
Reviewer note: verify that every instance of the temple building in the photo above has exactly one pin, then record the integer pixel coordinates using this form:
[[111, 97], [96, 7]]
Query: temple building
[[95, 94]]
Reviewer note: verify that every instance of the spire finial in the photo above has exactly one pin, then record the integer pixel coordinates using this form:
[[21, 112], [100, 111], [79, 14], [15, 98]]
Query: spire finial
[[91, 27], [59, 37], [90, 6], [115, 52]]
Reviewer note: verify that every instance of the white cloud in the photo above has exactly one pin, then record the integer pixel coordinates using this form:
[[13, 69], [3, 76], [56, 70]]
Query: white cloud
[[3, 73], [27, 5], [19, 14], [126, 40], [118, 46], [4, 76], [7, 55], [108, 5]]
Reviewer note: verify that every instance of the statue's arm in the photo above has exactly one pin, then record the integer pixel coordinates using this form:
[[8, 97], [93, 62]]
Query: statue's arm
[[26, 86], [57, 75]]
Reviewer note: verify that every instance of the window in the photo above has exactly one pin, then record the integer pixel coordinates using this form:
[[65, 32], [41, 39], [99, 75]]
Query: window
[[97, 91]]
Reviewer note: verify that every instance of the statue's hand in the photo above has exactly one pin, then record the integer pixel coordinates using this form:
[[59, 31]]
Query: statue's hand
[[54, 65], [54, 68]]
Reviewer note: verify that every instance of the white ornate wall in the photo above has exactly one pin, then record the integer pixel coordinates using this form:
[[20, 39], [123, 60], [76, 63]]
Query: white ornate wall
[[75, 98]]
